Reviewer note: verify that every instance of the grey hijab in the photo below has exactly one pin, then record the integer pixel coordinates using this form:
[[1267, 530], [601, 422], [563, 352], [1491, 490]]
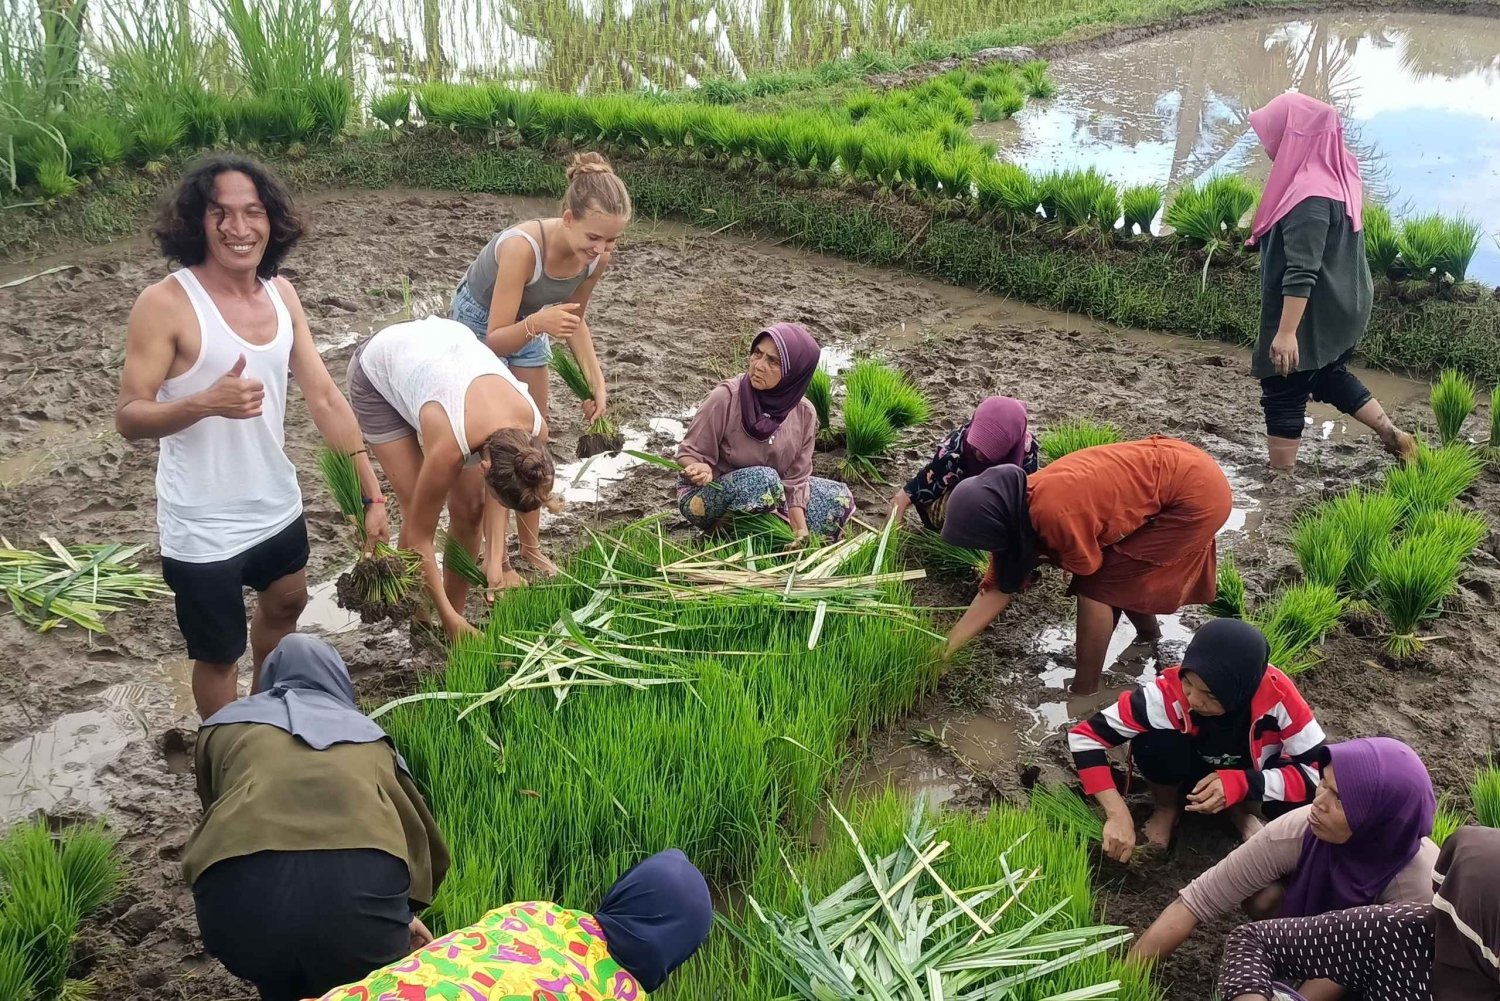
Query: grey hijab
[[305, 690]]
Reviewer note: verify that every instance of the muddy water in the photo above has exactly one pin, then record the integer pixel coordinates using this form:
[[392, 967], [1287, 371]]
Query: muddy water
[[1420, 93]]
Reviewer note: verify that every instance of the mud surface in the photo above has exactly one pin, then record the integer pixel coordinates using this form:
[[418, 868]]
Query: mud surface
[[105, 724]]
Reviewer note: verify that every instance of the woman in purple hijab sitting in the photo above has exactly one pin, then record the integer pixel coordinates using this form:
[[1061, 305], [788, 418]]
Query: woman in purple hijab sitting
[[749, 449], [1365, 839], [995, 436]]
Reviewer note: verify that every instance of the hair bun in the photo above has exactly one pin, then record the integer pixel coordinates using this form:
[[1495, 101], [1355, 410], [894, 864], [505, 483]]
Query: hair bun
[[588, 163], [533, 465]]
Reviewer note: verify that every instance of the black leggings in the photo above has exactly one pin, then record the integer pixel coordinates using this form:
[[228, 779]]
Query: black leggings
[[1167, 757], [1284, 397], [298, 924]]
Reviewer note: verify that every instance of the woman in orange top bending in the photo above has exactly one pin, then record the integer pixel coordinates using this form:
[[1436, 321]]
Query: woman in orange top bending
[[1134, 523]]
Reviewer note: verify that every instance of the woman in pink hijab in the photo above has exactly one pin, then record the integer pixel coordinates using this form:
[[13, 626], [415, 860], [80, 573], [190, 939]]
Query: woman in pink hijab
[[996, 435], [1315, 282]]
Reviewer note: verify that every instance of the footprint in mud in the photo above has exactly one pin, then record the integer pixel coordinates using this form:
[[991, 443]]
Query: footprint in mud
[[176, 751]]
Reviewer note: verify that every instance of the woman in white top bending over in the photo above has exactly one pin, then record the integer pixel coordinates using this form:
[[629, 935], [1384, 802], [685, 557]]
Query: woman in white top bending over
[[513, 302], [432, 401]]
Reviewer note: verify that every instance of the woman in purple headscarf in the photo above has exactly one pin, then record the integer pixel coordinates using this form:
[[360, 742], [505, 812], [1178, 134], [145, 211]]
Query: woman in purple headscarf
[[996, 435], [749, 449], [1364, 839]]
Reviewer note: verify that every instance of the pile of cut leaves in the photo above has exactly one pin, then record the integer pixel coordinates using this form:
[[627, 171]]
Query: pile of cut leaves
[[78, 585]]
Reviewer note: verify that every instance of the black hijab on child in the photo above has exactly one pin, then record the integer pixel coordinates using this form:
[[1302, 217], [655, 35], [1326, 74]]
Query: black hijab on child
[[656, 916], [1230, 657]]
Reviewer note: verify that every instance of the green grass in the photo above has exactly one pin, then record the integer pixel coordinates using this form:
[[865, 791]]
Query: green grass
[[1413, 579], [1296, 621], [48, 884], [1437, 478], [1070, 436], [1230, 600], [1454, 399], [1485, 793]]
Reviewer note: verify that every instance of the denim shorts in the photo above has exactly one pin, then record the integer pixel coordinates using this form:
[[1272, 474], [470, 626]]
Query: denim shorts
[[464, 308]]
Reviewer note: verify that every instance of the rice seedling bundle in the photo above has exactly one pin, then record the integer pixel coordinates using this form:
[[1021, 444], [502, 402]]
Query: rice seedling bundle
[[1038, 83], [1413, 579], [1437, 478], [1460, 532], [1446, 820], [1062, 808], [1230, 598], [1485, 792], [392, 108], [1296, 620], [820, 393], [458, 560], [1232, 198], [156, 130], [1070, 436], [1322, 549], [601, 435], [1141, 206], [722, 762], [946, 558], [1461, 236], [896, 926], [879, 401], [95, 142], [1008, 190], [1083, 199], [47, 886], [1454, 399], [78, 585], [385, 584], [1423, 242], [1367, 520], [770, 528], [1382, 247]]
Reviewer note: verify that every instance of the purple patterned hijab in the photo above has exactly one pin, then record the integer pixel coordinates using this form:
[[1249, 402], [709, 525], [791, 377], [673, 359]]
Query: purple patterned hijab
[[763, 412], [1388, 799]]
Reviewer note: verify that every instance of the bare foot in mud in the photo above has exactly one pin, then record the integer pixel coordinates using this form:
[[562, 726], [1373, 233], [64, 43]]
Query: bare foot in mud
[[509, 578], [1074, 688], [1159, 827], [539, 560]]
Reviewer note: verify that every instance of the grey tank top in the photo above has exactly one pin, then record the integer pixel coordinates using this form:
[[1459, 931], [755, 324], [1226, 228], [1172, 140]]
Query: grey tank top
[[540, 292]]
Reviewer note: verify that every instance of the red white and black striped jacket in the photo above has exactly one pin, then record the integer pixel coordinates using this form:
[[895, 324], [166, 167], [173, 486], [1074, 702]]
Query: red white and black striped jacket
[[1284, 738]]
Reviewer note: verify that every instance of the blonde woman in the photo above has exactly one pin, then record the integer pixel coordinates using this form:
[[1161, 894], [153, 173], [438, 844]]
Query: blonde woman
[[530, 284]]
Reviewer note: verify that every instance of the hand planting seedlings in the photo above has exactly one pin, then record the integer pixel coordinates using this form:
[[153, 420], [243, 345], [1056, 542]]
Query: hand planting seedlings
[[384, 582], [601, 436]]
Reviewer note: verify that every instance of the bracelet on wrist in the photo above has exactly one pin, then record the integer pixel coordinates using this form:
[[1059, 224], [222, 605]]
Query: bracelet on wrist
[[371, 501]]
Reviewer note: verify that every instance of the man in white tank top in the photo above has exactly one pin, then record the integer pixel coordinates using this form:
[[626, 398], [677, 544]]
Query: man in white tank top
[[207, 354]]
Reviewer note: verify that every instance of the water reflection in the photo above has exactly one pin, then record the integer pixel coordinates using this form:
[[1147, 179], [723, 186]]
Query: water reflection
[[1420, 94]]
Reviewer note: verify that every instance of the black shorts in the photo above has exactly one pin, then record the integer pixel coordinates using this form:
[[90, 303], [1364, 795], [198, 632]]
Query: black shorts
[[211, 599], [298, 924]]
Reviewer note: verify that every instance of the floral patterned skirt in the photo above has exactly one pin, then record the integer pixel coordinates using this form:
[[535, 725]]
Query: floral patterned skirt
[[759, 490]]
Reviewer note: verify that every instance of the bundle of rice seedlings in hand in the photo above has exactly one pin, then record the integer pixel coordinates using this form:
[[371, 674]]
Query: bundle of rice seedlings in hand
[[601, 436], [1446, 820], [1453, 400], [1229, 601], [1321, 547], [459, 560], [945, 557], [1070, 436], [385, 582], [1296, 621], [1437, 478], [1485, 792], [1065, 810], [1413, 579], [1367, 520]]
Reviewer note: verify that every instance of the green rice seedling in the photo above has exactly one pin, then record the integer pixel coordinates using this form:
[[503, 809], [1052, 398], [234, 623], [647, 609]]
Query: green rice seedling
[[393, 108], [772, 528], [1296, 620], [868, 435], [155, 131], [889, 390], [342, 478], [1446, 820], [458, 559], [1322, 549], [1232, 198], [1461, 236], [1063, 809], [1423, 242], [1413, 579], [946, 558], [1485, 792], [78, 585], [1141, 204], [1454, 399], [386, 583], [600, 436], [52, 174], [1085, 200], [94, 143], [1195, 217], [331, 101], [1007, 190], [1382, 246], [1002, 103], [202, 116], [1070, 436], [1367, 520], [1038, 83], [820, 394], [468, 108], [1230, 597], [1461, 531], [1437, 478]]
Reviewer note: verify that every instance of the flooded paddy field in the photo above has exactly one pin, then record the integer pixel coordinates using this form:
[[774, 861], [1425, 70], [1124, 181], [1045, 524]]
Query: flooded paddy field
[[105, 724]]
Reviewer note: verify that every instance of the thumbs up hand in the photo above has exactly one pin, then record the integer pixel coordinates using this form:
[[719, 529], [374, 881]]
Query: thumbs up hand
[[234, 396]]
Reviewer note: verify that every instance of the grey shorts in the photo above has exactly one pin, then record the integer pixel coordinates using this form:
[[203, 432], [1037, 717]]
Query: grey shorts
[[379, 422]]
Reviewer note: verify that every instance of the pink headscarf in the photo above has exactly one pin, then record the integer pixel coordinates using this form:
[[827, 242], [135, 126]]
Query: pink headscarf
[[997, 434], [1305, 141]]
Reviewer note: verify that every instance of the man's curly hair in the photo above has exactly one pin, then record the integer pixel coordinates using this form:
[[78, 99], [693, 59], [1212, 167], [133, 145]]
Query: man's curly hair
[[179, 226]]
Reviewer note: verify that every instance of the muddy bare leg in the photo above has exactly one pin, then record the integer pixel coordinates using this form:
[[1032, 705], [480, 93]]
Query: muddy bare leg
[[214, 686], [276, 612], [1283, 452], [1146, 626], [1166, 800], [1397, 442], [1096, 623]]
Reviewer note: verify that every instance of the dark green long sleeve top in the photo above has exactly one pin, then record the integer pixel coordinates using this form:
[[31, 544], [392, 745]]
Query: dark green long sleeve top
[[1314, 253]]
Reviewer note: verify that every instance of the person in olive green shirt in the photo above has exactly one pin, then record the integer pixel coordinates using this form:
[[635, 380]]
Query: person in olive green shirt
[[1315, 281], [316, 848]]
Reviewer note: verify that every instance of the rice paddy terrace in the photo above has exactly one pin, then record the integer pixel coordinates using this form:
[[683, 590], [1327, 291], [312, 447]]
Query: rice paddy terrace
[[728, 702]]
